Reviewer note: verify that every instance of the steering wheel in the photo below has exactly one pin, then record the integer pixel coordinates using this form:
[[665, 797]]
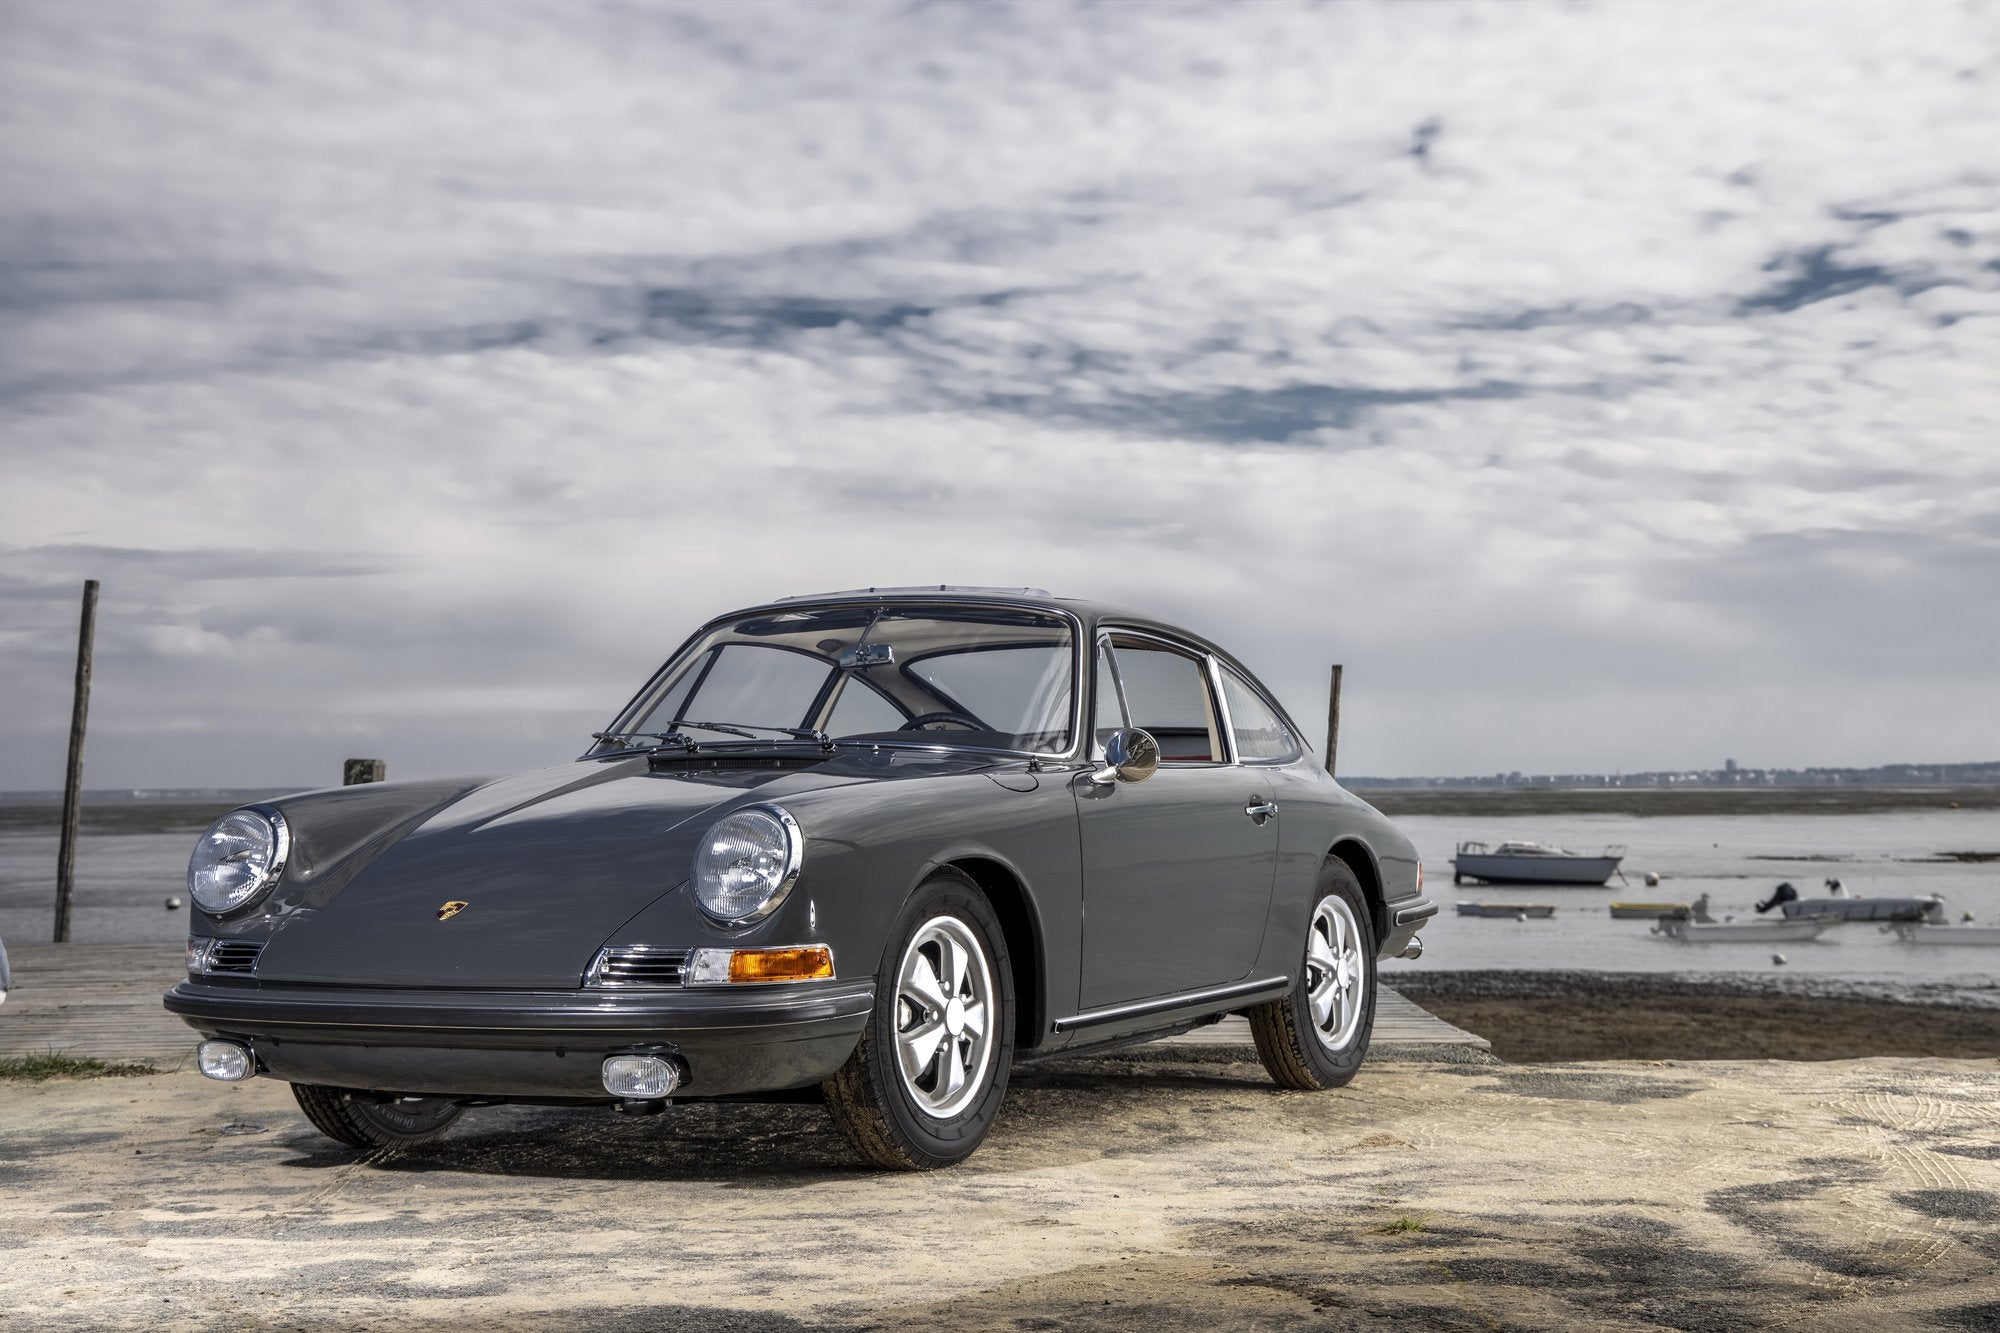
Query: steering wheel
[[918, 722]]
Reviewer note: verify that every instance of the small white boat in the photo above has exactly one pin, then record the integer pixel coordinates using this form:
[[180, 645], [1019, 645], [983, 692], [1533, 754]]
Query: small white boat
[[1916, 932], [1532, 863], [1842, 908], [1868, 909], [1510, 911], [1737, 932]]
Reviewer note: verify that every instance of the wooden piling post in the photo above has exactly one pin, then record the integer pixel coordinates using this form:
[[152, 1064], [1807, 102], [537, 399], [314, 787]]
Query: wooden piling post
[[1333, 719], [357, 771], [73, 780]]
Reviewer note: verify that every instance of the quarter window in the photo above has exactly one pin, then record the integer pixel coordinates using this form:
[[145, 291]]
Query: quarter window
[[1258, 731]]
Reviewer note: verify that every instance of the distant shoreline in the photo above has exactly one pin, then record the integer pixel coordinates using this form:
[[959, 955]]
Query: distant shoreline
[[1657, 801], [127, 814]]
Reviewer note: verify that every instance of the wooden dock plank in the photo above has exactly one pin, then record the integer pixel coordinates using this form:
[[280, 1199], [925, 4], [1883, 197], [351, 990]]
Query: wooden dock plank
[[103, 1001]]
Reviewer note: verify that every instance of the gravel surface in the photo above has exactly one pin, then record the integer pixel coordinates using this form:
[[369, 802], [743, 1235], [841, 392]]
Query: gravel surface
[[1127, 1194]]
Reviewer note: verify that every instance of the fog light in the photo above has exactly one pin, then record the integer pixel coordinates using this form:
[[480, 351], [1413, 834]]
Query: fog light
[[642, 1076], [225, 1060]]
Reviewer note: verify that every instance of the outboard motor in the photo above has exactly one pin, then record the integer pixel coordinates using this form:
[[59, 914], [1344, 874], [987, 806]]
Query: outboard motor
[[1781, 895]]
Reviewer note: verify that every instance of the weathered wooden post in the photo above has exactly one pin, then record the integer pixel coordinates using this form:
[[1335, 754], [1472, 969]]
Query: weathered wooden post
[[356, 771], [73, 780], [1333, 720]]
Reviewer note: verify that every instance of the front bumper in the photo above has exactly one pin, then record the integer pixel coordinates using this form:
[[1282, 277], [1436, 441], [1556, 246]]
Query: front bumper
[[532, 1043]]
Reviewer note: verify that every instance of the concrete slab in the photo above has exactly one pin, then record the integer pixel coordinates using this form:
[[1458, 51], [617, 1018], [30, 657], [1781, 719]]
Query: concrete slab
[[1114, 1195]]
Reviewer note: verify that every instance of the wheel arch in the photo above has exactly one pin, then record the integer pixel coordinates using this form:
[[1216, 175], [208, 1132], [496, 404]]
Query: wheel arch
[[1008, 895], [1355, 855]]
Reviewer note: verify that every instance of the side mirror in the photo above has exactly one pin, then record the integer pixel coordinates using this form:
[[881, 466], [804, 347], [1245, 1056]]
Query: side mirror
[[1130, 755]]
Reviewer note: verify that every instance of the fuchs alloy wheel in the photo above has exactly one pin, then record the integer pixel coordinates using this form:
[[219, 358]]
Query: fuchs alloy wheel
[[1317, 1035], [361, 1123], [926, 1081]]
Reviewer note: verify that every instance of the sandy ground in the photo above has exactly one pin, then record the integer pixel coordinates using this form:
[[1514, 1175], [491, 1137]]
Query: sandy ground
[[1142, 1192]]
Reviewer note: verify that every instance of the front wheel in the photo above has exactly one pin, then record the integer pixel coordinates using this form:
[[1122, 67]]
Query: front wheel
[[1317, 1035], [926, 1081], [344, 1115]]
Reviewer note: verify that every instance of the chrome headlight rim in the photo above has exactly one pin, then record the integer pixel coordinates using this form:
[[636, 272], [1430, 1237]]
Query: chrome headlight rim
[[281, 852], [795, 850]]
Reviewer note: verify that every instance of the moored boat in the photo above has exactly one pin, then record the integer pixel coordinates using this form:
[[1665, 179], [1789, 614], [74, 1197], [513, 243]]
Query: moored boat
[[1644, 911], [1533, 863], [1839, 907], [1508, 910], [1919, 932], [1867, 909], [1685, 931]]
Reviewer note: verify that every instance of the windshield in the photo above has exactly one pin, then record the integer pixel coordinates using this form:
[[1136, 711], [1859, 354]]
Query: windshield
[[984, 677]]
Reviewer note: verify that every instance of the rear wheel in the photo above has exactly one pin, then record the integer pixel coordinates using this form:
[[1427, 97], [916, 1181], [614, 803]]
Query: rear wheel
[[1317, 1035], [342, 1114], [926, 1081]]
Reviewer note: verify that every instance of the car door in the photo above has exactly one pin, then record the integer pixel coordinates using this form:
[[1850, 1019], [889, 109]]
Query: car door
[[1178, 869]]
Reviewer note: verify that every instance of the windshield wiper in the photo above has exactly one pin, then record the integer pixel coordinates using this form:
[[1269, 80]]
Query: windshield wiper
[[747, 730], [627, 737]]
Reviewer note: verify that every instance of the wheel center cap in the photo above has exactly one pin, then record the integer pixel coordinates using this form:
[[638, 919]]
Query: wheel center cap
[[954, 1016]]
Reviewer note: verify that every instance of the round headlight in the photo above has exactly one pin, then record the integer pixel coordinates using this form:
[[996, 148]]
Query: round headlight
[[746, 864], [239, 856]]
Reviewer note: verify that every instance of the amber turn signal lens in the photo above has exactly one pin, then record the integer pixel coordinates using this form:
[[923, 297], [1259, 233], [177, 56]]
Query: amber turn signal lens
[[810, 963]]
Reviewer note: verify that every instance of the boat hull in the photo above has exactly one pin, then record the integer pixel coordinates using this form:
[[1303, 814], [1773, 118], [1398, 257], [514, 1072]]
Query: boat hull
[[1914, 933], [1864, 909], [1493, 869], [1645, 911], [1507, 911], [1739, 932]]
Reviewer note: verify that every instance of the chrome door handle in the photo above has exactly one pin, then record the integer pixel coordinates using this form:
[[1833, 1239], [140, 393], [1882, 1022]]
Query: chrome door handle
[[1260, 809]]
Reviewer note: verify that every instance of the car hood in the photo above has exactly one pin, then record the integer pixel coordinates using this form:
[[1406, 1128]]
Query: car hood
[[547, 865]]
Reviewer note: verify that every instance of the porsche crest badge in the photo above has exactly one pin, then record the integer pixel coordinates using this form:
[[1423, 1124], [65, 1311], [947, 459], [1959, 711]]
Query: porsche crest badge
[[450, 910]]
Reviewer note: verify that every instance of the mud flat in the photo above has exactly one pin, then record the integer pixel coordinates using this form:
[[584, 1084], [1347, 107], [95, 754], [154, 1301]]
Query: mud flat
[[1145, 1192], [1537, 1016]]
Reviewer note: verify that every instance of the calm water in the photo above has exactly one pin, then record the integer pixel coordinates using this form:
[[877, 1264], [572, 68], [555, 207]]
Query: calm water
[[124, 878], [1737, 860]]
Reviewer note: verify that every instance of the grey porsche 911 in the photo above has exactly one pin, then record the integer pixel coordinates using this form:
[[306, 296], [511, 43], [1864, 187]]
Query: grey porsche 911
[[872, 847]]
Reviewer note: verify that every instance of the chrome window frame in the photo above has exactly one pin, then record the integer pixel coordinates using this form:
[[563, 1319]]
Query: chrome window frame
[[1203, 657], [1299, 750]]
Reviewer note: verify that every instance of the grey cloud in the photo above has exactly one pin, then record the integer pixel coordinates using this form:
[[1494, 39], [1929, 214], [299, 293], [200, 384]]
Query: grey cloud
[[540, 334], [1817, 275]]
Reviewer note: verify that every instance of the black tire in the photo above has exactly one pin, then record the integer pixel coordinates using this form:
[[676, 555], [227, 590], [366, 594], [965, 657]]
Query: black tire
[[1296, 1051], [889, 1118], [347, 1116]]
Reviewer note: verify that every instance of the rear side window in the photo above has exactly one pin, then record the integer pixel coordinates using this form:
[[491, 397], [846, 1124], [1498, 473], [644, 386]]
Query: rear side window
[[1166, 694], [1258, 731]]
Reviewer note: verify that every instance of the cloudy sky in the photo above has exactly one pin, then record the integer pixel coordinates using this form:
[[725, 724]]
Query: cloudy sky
[[1606, 386]]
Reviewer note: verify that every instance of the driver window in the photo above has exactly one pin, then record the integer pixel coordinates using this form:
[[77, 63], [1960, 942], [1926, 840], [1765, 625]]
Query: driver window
[[1166, 694]]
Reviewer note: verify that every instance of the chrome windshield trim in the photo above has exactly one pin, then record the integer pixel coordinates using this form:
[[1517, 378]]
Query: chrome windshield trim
[[1078, 737]]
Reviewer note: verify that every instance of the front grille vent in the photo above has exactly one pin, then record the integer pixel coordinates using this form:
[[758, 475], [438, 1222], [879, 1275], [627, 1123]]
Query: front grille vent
[[234, 957], [637, 966]]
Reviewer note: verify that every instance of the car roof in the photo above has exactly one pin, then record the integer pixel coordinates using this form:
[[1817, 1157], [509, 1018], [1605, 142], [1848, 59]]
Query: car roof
[[1039, 598], [1092, 614]]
